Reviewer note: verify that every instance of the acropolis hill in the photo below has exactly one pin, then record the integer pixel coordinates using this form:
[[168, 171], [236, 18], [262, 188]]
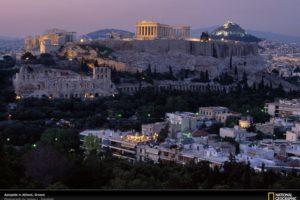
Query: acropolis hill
[[162, 46]]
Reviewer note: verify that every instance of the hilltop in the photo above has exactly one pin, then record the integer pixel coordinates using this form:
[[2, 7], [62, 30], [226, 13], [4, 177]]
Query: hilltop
[[106, 33], [232, 31]]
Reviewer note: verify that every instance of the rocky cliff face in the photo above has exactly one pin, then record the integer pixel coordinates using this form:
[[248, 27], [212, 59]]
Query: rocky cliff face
[[179, 54]]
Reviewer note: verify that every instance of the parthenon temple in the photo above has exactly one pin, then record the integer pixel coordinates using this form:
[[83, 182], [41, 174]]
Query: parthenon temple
[[149, 30]]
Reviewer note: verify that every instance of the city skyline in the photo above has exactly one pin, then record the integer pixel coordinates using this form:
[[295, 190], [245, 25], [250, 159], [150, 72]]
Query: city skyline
[[33, 17]]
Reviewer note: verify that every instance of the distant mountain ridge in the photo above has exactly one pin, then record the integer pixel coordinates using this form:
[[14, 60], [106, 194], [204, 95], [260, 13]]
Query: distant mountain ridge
[[7, 38], [104, 33], [276, 37]]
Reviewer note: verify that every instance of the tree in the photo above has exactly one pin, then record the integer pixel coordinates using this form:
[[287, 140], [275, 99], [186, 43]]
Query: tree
[[84, 67], [202, 76], [91, 143], [245, 77], [149, 71], [46, 165], [215, 54], [231, 121], [96, 63], [171, 72], [186, 73], [215, 128], [262, 83], [230, 61], [7, 62], [204, 36], [163, 134], [276, 72], [206, 76], [62, 139], [254, 86], [280, 88], [149, 74], [28, 57], [236, 71], [46, 59]]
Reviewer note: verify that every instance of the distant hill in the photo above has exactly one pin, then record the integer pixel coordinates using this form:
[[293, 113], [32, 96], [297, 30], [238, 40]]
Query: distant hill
[[232, 31], [261, 34], [106, 33]]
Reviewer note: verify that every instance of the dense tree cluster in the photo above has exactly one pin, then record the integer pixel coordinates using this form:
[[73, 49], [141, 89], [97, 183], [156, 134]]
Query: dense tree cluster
[[45, 59], [205, 36], [48, 167], [7, 62], [204, 77], [224, 79]]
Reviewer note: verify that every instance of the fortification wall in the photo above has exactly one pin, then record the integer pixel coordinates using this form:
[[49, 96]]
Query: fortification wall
[[219, 48]]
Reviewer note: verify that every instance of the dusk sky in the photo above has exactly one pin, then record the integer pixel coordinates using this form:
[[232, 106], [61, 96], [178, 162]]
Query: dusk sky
[[20, 18]]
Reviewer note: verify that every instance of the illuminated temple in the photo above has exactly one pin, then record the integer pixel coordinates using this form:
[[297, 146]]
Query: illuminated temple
[[149, 30]]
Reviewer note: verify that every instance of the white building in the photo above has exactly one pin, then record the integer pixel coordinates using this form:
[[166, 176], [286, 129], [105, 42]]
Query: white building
[[237, 133], [154, 128], [212, 112], [293, 135], [283, 108], [185, 120]]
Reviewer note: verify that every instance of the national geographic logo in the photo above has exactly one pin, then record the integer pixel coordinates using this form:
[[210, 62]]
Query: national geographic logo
[[281, 196]]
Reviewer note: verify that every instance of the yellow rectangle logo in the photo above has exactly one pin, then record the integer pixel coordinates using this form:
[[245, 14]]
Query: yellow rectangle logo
[[271, 196]]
